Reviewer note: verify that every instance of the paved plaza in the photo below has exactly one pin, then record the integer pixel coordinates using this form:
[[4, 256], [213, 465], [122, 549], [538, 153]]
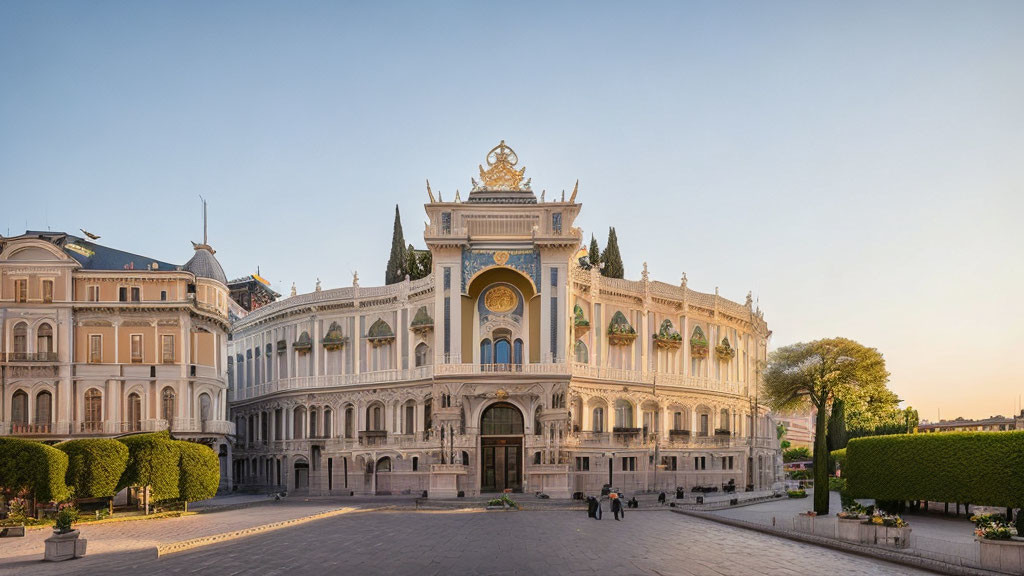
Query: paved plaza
[[396, 542]]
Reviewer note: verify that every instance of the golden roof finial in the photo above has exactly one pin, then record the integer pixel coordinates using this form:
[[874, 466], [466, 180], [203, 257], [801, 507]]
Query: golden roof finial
[[500, 173], [429, 193], [575, 189]]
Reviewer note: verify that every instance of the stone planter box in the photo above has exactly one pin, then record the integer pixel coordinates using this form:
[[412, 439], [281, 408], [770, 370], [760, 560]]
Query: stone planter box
[[849, 529], [804, 523], [1002, 555], [12, 532], [885, 536], [61, 547]]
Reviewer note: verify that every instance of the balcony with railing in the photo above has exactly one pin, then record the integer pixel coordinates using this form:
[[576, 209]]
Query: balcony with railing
[[29, 357], [373, 437], [30, 429]]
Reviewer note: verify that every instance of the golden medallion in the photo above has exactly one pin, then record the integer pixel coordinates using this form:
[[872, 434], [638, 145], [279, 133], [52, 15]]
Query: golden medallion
[[500, 258], [501, 299]]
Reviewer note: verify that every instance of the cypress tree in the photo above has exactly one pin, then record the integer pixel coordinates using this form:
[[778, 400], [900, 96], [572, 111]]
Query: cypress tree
[[396, 263], [595, 252], [426, 263], [612, 258]]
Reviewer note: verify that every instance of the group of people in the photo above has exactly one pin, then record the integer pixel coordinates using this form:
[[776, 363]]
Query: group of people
[[594, 509]]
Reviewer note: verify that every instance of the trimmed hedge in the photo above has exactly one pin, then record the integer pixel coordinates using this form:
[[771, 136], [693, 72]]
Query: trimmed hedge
[[95, 466], [35, 467], [979, 468], [199, 475], [839, 456], [152, 461]]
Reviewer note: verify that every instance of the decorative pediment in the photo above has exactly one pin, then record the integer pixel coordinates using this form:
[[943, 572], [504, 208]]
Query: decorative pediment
[[725, 351], [501, 174], [334, 339], [422, 322], [620, 331], [667, 336], [304, 344], [380, 333], [698, 343]]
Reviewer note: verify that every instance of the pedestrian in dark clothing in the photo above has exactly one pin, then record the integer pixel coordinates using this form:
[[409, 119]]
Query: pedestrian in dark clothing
[[591, 507], [633, 503], [661, 499], [617, 507]]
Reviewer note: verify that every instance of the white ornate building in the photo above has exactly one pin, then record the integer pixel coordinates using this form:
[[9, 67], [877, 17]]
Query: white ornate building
[[512, 365]]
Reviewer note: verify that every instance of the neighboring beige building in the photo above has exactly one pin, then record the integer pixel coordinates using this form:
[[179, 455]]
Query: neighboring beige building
[[98, 342], [514, 365], [799, 428], [992, 424]]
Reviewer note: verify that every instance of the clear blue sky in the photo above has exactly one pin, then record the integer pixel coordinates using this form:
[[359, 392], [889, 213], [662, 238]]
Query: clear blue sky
[[857, 165]]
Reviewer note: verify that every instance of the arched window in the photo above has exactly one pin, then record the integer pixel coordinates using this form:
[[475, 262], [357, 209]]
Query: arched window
[[623, 414], [205, 407], [375, 417], [299, 422], [582, 355], [19, 408], [422, 354], [485, 351], [44, 407], [517, 352], [502, 352], [501, 419], [350, 416], [167, 405], [93, 410], [598, 424], [313, 417], [44, 339], [21, 338], [134, 423], [465, 458], [723, 420], [409, 418], [326, 432]]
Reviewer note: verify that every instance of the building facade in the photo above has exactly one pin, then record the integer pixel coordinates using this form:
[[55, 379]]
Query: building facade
[[100, 343], [513, 365], [991, 424]]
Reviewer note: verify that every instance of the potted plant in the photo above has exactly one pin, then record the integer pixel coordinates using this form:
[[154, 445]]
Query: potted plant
[[886, 528], [65, 543], [698, 344], [724, 351], [17, 517], [1002, 550], [849, 522]]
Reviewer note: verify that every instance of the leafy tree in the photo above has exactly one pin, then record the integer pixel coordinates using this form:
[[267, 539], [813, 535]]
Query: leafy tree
[[595, 252], [397, 262], [612, 258], [818, 373], [412, 264], [152, 462], [199, 472], [426, 263], [95, 466], [33, 467], [798, 454]]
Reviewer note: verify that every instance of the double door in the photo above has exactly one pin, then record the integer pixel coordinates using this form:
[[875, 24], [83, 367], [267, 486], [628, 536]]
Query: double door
[[502, 464]]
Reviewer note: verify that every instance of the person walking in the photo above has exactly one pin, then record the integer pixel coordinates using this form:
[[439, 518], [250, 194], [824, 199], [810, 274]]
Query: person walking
[[617, 507], [661, 499]]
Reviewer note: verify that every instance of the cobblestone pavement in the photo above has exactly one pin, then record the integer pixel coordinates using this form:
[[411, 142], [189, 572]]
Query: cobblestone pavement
[[395, 543], [18, 555]]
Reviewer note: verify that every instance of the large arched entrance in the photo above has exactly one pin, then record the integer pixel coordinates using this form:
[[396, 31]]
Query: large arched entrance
[[501, 445], [301, 475], [382, 476]]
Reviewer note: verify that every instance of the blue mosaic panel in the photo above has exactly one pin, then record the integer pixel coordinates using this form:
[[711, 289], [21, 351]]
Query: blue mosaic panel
[[525, 261]]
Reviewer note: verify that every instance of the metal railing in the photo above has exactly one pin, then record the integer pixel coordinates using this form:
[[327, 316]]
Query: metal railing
[[29, 356]]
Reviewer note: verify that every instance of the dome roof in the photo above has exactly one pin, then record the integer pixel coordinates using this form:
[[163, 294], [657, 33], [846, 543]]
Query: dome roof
[[204, 265]]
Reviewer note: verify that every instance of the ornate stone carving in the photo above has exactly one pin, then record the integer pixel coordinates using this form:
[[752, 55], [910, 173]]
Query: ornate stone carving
[[501, 173]]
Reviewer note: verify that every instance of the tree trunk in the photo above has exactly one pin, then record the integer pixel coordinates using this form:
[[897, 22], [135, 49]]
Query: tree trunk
[[821, 494]]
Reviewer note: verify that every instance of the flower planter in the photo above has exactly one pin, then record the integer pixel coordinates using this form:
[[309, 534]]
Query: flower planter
[[1002, 555], [65, 546], [889, 536], [698, 351], [805, 523], [621, 338], [12, 532], [848, 529], [668, 343]]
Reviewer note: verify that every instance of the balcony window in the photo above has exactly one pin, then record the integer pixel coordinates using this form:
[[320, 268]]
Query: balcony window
[[134, 413], [21, 290], [167, 404], [93, 410], [136, 294], [95, 348], [92, 294], [44, 341], [47, 291], [167, 346], [136, 348], [44, 408], [623, 414], [19, 408], [20, 339]]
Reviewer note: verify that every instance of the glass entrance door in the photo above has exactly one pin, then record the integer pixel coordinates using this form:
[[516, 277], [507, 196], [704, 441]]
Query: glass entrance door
[[501, 464]]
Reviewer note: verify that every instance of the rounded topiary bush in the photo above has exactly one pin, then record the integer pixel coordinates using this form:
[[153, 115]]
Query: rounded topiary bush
[[95, 466], [152, 461], [33, 467], [199, 471]]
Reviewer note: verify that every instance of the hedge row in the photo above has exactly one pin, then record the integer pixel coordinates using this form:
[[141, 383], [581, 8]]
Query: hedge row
[[199, 472], [95, 466], [979, 468], [33, 467], [153, 461]]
